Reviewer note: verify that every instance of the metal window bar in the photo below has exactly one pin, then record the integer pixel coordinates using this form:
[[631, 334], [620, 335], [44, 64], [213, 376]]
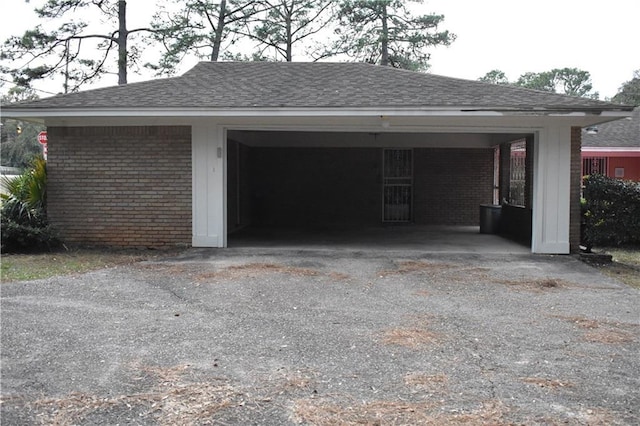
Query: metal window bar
[[518, 173], [397, 185], [595, 166]]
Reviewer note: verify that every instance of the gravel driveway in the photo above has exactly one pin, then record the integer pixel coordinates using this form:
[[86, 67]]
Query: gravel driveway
[[276, 336]]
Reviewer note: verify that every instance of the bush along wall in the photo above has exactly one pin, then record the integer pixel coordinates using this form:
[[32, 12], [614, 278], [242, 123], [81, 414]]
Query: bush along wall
[[610, 212], [24, 214]]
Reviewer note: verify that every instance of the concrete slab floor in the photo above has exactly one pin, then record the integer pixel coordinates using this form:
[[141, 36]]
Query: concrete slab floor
[[427, 239]]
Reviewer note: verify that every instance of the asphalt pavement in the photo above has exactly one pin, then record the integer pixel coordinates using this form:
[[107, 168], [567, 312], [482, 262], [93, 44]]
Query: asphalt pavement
[[277, 336]]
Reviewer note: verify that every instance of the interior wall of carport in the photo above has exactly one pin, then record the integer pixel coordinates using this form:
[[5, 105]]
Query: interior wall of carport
[[552, 176], [516, 221], [318, 186]]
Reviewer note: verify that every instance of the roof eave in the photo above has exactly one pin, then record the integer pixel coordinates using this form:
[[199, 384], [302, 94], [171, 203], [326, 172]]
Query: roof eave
[[35, 113]]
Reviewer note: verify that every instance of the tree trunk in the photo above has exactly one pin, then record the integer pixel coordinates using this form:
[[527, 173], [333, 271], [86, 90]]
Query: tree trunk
[[217, 41], [384, 38], [122, 42], [289, 38]]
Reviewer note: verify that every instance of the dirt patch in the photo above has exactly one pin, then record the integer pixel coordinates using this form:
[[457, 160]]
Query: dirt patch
[[284, 381], [170, 401], [546, 383], [536, 286], [416, 266], [608, 336], [325, 411], [434, 270], [422, 381], [409, 337], [339, 276], [255, 270], [607, 332], [413, 336]]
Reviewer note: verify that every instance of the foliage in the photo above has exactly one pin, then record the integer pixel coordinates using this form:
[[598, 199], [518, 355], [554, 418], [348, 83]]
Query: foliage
[[18, 139], [629, 92], [611, 212], [569, 81], [287, 23], [385, 32], [201, 28], [79, 54], [495, 77], [24, 215]]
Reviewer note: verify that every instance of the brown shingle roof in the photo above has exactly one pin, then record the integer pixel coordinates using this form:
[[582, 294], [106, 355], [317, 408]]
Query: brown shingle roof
[[305, 85], [615, 134]]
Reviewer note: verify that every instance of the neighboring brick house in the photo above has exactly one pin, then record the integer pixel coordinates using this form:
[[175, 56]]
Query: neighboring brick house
[[613, 149], [187, 160]]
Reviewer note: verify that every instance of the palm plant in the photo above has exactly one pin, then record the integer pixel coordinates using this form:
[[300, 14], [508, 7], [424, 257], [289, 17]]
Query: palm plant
[[24, 214]]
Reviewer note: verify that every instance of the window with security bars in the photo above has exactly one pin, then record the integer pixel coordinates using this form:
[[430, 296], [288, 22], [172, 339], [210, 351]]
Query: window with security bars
[[518, 173], [397, 185], [595, 166]]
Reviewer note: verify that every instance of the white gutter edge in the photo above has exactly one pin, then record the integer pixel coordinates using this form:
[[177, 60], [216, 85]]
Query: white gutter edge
[[612, 149], [293, 112]]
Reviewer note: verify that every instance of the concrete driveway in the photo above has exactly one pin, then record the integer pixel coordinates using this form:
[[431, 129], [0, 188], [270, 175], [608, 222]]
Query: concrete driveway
[[319, 336]]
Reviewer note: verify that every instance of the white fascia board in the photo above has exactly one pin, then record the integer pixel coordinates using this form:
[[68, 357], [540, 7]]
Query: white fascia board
[[243, 112], [577, 117], [610, 149]]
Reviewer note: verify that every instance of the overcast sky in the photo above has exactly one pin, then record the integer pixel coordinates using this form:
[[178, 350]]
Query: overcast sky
[[515, 36]]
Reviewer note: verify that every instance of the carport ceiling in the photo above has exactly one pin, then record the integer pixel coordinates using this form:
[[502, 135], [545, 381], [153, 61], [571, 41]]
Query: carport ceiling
[[370, 139]]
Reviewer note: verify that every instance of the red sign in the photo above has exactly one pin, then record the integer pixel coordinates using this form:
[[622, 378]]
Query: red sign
[[42, 138]]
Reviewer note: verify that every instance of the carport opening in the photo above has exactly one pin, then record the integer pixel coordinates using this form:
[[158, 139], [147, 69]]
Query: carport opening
[[315, 184]]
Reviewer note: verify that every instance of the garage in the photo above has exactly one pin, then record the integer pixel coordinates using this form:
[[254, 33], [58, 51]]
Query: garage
[[327, 180], [191, 160]]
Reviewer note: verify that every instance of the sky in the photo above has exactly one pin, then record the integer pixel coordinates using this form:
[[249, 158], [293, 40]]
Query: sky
[[515, 36]]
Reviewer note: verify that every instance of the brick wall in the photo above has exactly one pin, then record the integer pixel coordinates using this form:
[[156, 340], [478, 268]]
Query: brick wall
[[320, 186], [120, 186], [450, 185], [576, 180], [315, 186]]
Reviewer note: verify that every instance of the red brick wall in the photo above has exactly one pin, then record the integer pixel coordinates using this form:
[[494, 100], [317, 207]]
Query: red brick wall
[[120, 186], [576, 171], [450, 185]]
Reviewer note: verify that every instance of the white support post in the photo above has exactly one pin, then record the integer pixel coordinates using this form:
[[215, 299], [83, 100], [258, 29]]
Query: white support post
[[209, 185], [552, 190]]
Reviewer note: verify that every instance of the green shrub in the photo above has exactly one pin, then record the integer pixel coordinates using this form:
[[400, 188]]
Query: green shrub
[[23, 215], [611, 212]]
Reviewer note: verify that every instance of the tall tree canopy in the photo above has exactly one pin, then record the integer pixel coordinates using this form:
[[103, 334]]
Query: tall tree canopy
[[495, 77], [200, 27], [73, 50], [385, 32], [285, 24], [629, 92], [19, 139], [569, 81]]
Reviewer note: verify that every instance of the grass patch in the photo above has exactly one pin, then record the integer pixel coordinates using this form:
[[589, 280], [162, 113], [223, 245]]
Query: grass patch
[[625, 266], [25, 267]]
